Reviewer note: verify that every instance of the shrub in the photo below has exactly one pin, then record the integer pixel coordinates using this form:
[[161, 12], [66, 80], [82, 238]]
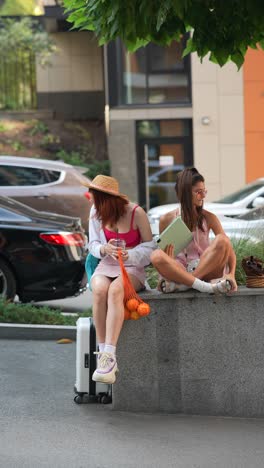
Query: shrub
[[27, 313], [37, 127], [80, 159]]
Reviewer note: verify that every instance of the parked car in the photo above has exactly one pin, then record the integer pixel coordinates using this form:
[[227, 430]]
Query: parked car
[[46, 185], [42, 255], [162, 182], [240, 202], [249, 225]]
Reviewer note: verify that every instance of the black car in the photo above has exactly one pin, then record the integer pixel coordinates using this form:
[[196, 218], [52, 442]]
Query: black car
[[42, 255]]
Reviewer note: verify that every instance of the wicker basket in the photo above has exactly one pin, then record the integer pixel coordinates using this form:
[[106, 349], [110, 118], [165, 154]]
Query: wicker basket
[[255, 281], [253, 267]]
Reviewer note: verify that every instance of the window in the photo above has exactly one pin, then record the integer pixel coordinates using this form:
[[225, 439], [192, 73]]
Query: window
[[9, 216], [151, 75], [26, 176]]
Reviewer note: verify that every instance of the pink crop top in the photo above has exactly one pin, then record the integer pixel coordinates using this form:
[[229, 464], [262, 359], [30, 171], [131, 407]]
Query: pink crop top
[[132, 237]]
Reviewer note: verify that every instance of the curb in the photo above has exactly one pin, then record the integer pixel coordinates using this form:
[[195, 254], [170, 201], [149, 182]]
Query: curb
[[15, 331]]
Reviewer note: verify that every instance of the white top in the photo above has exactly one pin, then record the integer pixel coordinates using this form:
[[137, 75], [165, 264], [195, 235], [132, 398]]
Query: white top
[[139, 255]]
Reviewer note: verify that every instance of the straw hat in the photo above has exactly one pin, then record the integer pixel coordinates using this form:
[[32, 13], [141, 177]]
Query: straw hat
[[105, 184]]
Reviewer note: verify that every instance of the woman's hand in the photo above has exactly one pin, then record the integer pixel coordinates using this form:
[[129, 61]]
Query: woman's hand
[[169, 250], [124, 255], [110, 249]]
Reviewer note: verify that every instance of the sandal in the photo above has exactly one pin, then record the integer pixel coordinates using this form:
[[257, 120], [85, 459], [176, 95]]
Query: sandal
[[222, 286], [167, 287]]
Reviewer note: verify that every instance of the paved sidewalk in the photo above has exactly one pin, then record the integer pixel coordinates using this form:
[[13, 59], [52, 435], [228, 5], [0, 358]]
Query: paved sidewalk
[[41, 426]]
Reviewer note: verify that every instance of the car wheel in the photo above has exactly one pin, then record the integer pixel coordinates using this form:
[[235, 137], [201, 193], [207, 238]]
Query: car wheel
[[7, 282]]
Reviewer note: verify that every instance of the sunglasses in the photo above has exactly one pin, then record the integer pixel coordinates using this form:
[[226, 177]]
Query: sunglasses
[[200, 192]]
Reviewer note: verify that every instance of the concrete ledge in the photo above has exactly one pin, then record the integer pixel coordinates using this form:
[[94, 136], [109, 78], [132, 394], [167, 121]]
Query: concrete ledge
[[46, 114], [36, 332], [195, 354]]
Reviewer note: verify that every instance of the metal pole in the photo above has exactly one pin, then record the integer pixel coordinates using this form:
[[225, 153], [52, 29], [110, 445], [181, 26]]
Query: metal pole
[[146, 176]]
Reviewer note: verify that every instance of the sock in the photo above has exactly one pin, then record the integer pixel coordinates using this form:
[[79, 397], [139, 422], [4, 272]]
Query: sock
[[202, 286], [101, 347], [110, 349]]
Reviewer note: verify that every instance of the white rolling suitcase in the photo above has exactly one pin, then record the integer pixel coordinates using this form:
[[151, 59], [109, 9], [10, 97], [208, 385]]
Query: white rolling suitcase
[[85, 388]]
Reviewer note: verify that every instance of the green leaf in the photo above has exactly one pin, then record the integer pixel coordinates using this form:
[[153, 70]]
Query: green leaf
[[190, 47], [238, 59]]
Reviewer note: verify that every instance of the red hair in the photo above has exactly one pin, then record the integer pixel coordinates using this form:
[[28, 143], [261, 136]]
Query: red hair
[[109, 208]]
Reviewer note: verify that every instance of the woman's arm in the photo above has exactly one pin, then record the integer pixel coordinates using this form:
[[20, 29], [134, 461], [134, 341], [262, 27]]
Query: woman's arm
[[166, 219], [95, 242]]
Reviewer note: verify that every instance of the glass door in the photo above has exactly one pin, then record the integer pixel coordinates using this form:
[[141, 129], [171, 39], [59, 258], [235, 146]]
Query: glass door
[[160, 161], [164, 147]]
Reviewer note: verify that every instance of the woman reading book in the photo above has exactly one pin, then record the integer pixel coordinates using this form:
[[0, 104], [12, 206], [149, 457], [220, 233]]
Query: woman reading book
[[204, 266]]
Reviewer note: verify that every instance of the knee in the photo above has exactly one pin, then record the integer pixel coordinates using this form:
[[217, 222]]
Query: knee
[[157, 257], [100, 290], [116, 291], [222, 242]]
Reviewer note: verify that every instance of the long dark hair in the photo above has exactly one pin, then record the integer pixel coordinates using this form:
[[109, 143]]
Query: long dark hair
[[109, 208], [185, 181]]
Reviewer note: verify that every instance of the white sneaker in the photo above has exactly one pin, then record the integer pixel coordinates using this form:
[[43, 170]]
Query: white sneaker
[[106, 368]]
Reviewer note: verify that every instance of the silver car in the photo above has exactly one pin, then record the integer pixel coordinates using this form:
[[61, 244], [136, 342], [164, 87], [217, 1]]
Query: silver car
[[238, 203], [46, 185]]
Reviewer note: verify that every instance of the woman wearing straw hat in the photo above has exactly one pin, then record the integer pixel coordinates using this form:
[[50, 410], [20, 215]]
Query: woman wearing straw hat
[[113, 216]]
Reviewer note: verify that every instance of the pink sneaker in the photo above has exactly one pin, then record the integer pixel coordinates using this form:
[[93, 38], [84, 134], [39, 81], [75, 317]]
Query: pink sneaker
[[106, 368]]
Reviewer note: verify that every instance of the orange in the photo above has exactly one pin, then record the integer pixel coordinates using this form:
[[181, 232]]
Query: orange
[[143, 309], [132, 304], [126, 314], [134, 315]]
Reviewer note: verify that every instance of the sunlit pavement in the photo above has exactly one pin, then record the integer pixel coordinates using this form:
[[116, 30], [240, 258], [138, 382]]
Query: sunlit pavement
[[41, 426]]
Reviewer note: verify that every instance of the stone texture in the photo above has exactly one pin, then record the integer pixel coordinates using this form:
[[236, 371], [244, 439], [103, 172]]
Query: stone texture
[[195, 354]]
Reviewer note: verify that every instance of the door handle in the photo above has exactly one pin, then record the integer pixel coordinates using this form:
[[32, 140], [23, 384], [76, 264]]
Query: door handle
[[42, 196]]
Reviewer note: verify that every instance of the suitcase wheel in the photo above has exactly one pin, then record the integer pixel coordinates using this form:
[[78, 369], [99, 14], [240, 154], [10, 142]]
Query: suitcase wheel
[[78, 399], [105, 399]]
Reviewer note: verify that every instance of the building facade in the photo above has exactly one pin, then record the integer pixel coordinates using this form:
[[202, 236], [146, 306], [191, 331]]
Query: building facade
[[162, 113]]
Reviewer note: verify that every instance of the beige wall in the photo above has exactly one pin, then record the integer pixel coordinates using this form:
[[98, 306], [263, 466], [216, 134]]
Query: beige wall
[[219, 147], [77, 66]]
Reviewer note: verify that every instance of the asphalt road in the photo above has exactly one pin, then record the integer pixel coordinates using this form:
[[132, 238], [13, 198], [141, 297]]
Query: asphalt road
[[41, 426]]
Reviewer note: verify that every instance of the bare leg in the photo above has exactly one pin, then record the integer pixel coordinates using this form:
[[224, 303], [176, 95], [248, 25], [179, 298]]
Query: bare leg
[[115, 311], [170, 268], [173, 271], [100, 287], [214, 259]]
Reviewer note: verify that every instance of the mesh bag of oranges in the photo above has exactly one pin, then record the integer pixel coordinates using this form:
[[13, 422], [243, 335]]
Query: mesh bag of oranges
[[135, 308]]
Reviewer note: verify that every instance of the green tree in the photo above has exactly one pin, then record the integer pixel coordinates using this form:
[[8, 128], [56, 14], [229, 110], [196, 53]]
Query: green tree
[[22, 43], [223, 28], [19, 7]]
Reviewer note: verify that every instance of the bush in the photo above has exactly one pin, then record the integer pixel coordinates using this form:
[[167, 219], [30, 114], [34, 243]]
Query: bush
[[245, 248], [76, 158], [27, 313]]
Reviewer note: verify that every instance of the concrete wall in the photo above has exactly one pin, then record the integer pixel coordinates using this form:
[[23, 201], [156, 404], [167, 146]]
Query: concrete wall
[[195, 354], [219, 147], [73, 84], [122, 155]]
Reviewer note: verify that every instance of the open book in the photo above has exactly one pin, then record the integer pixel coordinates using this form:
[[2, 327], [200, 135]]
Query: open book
[[176, 234]]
